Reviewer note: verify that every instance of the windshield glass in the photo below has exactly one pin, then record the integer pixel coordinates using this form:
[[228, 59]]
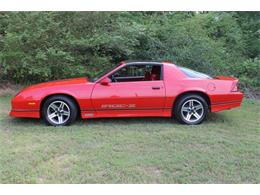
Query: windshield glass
[[100, 74], [194, 74]]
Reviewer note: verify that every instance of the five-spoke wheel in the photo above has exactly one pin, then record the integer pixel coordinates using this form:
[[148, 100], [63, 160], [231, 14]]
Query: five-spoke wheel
[[59, 110], [190, 109]]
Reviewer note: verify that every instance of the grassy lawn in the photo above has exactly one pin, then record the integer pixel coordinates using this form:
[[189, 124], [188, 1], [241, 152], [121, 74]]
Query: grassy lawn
[[225, 149]]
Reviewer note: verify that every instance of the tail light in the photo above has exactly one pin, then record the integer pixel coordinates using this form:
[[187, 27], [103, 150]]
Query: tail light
[[235, 87]]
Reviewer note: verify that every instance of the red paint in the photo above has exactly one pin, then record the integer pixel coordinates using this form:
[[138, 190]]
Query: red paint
[[129, 99]]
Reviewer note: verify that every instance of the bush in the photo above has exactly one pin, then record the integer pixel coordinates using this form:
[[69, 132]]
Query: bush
[[41, 46], [248, 73]]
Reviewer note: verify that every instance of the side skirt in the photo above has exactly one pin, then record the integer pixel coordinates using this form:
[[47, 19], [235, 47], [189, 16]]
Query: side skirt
[[110, 113]]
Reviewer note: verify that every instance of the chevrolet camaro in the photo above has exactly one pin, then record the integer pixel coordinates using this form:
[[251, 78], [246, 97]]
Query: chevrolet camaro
[[132, 89]]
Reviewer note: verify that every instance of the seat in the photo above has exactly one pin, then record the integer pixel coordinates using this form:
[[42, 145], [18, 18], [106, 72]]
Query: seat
[[147, 76], [155, 73]]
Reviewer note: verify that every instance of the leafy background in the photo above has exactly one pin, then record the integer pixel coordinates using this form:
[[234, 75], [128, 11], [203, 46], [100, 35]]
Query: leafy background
[[41, 46]]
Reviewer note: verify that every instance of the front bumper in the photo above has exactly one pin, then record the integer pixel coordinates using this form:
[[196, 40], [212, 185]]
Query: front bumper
[[25, 113], [22, 107]]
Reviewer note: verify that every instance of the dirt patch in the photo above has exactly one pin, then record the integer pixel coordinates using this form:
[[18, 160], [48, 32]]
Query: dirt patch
[[154, 171], [9, 89]]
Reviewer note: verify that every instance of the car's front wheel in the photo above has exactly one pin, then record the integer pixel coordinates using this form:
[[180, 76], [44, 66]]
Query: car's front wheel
[[59, 111], [191, 109]]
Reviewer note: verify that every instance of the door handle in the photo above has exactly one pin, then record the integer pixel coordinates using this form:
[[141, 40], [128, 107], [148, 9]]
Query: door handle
[[156, 87]]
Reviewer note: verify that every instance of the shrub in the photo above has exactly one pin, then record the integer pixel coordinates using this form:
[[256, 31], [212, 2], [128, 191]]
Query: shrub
[[41, 46], [248, 73]]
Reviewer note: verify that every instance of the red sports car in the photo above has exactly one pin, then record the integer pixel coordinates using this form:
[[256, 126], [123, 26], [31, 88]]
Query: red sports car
[[132, 89]]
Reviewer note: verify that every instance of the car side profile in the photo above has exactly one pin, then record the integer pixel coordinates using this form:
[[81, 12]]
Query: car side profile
[[132, 89]]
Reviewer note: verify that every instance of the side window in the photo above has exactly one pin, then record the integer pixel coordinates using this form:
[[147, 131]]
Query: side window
[[131, 73]]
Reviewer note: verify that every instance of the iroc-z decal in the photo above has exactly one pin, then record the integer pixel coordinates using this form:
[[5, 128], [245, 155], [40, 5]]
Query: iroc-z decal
[[118, 106]]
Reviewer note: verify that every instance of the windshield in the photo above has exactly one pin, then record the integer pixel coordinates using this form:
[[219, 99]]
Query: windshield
[[194, 74], [100, 74]]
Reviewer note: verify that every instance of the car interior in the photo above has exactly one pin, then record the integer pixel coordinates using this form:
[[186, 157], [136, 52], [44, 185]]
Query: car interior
[[133, 73]]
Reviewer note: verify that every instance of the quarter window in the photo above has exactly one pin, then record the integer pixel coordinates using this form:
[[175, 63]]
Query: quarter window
[[194, 74]]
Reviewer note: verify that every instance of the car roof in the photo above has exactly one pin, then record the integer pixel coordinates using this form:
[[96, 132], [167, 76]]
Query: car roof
[[142, 62]]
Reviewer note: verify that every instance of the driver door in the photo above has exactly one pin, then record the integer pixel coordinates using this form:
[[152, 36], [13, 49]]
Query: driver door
[[130, 93]]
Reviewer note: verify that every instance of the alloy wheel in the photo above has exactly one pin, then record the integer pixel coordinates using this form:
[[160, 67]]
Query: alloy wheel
[[58, 112], [192, 110]]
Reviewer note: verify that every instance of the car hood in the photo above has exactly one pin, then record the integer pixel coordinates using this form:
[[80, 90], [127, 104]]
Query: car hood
[[65, 82]]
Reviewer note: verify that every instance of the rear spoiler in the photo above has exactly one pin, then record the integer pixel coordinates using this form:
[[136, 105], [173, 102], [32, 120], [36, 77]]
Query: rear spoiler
[[226, 78], [234, 85]]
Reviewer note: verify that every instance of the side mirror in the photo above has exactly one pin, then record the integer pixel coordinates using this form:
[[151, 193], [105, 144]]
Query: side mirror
[[105, 81]]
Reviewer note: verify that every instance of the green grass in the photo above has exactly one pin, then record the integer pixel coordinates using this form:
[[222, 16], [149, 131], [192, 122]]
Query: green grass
[[225, 149]]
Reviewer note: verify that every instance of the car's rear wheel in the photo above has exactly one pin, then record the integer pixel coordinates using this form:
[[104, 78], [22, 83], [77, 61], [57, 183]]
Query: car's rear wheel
[[191, 109], [59, 111]]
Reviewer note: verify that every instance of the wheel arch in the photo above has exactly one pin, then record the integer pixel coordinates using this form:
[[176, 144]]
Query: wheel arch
[[200, 93], [60, 94]]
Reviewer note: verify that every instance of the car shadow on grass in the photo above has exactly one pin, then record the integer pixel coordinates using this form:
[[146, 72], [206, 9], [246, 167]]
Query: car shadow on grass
[[218, 118], [126, 121], [213, 118], [24, 122], [97, 121]]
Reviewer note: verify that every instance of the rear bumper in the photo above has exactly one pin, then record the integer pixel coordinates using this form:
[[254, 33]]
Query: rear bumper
[[228, 101], [25, 113]]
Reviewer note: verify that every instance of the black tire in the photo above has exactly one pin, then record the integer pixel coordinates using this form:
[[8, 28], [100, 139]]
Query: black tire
[[73, 110], [179, 116]]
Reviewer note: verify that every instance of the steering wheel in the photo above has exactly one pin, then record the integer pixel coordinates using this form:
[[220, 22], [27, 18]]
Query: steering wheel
[[113, 78]]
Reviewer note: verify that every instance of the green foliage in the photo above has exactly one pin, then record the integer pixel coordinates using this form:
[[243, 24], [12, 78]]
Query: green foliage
[[41, 46], [249, 23], [248, 72]]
